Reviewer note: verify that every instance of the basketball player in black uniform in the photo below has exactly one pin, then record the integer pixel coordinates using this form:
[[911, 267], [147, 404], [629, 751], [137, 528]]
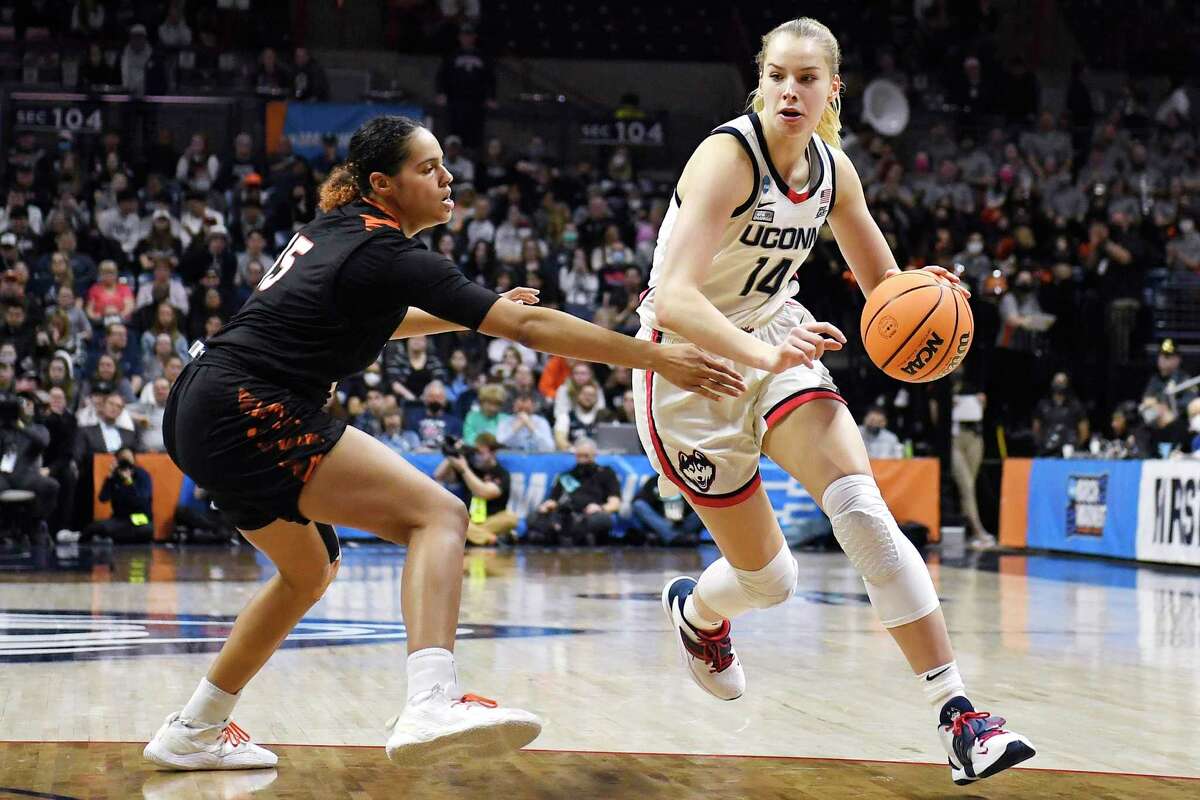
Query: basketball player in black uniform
[[245, 420]]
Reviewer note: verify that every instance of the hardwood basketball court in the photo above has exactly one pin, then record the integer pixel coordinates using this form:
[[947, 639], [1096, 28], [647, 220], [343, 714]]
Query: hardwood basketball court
[[1094, 661]]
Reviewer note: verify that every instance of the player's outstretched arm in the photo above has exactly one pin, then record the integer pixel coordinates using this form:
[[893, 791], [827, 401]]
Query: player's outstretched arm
[[422, 323], [684, 365]]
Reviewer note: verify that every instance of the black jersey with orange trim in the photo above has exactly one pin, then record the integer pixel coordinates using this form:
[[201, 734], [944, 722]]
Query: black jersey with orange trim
[[334, 296]]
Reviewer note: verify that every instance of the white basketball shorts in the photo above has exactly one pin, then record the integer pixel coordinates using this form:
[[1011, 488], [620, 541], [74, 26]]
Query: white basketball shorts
[[710, 450]]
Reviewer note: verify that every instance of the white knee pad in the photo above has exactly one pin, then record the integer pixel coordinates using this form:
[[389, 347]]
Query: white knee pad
[[897, 580], [731, 591]]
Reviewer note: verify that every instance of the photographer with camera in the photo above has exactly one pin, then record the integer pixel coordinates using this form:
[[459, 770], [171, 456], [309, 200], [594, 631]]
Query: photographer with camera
[[21, 444], [478, 478], [129, 488]]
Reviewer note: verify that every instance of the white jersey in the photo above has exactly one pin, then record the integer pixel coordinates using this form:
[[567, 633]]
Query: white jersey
[[767, 239]]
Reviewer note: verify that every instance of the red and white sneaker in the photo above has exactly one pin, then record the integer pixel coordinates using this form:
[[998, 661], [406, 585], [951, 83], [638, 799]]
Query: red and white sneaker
[[977, 744], [434, 727], [190, 745], [709, 657]]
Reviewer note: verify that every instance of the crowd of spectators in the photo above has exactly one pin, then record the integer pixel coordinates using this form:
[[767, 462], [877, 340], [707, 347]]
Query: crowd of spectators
[[114, 263]]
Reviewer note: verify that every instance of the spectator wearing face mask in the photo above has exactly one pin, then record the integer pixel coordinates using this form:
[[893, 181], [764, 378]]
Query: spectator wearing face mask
[[433, 423], [976, 262], [1020, 342], [1183, 252], [1059, 420], [1022, 316], [880, 442]]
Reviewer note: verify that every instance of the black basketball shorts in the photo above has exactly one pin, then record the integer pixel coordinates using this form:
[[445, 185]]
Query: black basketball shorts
[[250, 443]]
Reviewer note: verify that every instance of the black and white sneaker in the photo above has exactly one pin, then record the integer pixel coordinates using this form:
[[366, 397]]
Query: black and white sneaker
[[977, 744]]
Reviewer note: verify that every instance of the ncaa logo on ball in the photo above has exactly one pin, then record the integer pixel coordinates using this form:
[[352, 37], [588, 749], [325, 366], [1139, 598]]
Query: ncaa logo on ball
[[888, 327], [924, 354]]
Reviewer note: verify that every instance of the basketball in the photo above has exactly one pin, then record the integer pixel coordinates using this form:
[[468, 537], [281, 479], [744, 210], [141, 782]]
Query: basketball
[[916, 327]]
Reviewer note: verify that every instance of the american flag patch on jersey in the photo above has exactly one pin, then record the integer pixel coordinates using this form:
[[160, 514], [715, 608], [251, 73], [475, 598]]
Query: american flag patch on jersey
[[826, 195]]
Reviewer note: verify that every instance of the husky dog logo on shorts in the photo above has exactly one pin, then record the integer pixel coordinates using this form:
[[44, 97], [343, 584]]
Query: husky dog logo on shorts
[[697, 470]]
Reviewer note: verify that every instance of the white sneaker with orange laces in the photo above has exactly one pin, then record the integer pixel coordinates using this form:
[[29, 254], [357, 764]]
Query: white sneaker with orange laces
[[434, 727], [191, 745]]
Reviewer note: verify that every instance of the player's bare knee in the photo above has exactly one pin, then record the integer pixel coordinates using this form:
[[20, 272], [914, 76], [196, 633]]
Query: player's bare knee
[[331, 572], [447, 512], [444, 517], [455, 519], [308, 583]]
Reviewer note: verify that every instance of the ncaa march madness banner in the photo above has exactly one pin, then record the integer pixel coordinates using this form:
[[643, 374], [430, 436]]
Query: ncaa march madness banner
[[1082, 506], [1143, 510], [1168, 527]]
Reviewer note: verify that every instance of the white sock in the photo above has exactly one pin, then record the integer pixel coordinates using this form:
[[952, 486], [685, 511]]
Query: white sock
[[433, 666], [209, 705], [942, 683], [696, 619]]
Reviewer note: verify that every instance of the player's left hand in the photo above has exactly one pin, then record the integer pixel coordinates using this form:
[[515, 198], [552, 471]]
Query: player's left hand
[[941, 272], [694, 370], [523, 295]]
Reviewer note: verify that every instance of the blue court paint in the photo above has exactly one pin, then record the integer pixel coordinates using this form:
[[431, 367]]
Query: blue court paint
[[31, 635]]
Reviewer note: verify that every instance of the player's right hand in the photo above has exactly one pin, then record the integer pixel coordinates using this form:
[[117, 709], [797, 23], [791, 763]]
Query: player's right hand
[[694, 370], [523, 295], [805, 344]]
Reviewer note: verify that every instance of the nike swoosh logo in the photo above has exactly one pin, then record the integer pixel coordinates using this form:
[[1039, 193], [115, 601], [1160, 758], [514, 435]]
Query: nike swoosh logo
[[936, 674], [766, 203]]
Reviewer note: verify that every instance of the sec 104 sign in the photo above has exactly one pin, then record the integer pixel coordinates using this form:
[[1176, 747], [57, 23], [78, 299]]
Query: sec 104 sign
[[59, 118], [635, 132]]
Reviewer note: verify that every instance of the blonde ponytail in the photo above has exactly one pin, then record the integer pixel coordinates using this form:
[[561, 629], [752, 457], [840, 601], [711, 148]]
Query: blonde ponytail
[[338, 189], [829, 126]]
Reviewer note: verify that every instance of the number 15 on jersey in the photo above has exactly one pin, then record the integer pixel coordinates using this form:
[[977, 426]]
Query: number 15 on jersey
[[298, 246]]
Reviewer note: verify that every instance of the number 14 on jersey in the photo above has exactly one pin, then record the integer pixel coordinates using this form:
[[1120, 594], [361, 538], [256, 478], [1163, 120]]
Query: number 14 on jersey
[[771, 282]]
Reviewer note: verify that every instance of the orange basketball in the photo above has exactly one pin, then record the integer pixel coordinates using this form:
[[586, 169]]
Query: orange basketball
[[916, 328]]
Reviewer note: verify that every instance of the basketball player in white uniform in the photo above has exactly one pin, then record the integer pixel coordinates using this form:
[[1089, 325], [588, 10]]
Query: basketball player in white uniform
[[745, 214]]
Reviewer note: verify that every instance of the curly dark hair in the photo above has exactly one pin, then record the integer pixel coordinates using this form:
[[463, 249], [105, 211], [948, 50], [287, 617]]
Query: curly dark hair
[[379, 145]]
